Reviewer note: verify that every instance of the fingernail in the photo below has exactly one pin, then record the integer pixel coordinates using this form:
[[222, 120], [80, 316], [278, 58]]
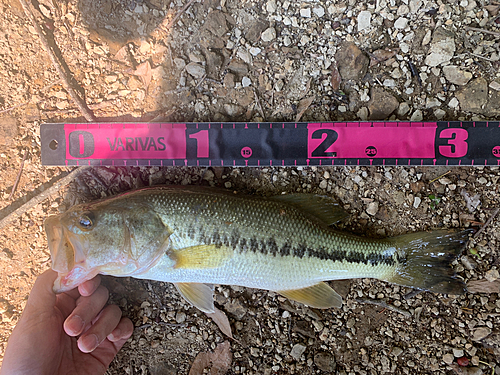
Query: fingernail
[[75, 324], [89, 343], [115, 335]]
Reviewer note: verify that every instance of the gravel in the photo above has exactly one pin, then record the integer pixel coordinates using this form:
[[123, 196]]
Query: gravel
[[383, 60]]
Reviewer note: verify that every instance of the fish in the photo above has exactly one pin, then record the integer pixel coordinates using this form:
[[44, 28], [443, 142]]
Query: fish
[[195, 237]]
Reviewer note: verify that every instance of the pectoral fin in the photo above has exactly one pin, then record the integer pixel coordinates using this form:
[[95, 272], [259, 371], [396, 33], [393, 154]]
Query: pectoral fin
[[319, 296], [200, 296], [201, 256]]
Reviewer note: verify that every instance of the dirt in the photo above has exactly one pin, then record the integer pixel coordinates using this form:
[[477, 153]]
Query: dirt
[[267, 61]]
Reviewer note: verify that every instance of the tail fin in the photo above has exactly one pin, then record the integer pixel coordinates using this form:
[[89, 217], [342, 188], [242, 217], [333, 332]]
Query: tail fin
[[424, 260]]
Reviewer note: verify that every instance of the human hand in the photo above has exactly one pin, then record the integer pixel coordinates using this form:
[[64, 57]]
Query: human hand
[[68, 333]]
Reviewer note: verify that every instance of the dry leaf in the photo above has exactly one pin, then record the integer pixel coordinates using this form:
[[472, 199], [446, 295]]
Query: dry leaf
[[381, 55], [336, 78], [220, 318], [122, 54], [483, 286], [201, 362], [219, 361], [493, 9], [472, 202], [303, 106], [464, 218], [144, 72]]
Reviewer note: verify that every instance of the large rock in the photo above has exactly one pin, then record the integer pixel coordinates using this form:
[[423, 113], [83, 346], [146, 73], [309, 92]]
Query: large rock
[[297, 87], [442, 47], [352, 63], [381, 104], [456, 75], [474, 96]]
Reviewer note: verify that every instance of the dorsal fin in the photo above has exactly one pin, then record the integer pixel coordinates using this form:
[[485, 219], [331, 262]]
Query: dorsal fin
[[324, 208]]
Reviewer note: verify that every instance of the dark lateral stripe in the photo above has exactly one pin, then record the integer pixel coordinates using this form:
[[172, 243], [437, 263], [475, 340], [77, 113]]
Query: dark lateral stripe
[[235, 238], [374, 259], [270, 247]]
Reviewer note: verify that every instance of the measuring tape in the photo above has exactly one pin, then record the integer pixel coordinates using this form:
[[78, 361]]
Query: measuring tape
[[272, 144]]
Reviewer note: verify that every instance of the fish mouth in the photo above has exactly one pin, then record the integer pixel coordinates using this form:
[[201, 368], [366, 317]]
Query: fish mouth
[[68, 257]]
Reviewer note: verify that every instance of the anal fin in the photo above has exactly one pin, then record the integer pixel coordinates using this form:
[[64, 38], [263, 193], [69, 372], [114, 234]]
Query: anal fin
[[319, 296], [199, 295]]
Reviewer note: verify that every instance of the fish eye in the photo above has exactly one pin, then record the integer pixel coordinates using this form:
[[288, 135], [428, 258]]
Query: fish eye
[[86, 221]]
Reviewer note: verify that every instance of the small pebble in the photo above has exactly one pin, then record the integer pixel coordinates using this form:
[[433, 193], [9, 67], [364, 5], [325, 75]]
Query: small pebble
[[297, 351], [268, 34], [448, 358], [305, 12]]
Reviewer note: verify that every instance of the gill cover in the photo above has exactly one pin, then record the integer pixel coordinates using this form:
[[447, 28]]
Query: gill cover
[[119, 238]]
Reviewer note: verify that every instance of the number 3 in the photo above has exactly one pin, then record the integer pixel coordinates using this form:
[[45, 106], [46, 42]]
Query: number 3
[[457, 145]]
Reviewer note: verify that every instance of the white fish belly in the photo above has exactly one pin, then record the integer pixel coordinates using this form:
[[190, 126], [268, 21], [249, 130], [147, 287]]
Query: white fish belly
[[255, 270]]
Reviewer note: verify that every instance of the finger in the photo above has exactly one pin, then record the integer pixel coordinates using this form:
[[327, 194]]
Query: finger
[[123, 331], [42, 298], [89, 286], [86, 289], [107, 322], [108, 349], [66, 304], [87, 308]]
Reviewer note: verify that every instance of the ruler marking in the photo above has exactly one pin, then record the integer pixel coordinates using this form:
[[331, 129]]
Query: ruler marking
[[299, 143]]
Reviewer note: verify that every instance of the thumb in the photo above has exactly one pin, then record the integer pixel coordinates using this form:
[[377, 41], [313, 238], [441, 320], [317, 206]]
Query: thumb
[[42, 298]]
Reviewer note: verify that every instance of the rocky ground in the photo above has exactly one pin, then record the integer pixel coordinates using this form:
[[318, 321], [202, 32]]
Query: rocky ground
[[268, 61]]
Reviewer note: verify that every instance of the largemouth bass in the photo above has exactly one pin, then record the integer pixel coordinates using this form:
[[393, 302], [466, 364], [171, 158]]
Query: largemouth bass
[[195, 237]]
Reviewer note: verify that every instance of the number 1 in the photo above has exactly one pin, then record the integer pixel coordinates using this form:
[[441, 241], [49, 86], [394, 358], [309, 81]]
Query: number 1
[[202, 144]]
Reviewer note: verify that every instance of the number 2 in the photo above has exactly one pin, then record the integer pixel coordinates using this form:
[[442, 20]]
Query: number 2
[[331, 137], [457, 145]]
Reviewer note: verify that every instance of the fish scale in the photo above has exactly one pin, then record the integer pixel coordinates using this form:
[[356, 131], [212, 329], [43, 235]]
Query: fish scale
[[308, 241], [195, 237]]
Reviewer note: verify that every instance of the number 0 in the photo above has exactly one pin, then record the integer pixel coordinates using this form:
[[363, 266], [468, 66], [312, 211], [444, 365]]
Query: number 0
[[457, 145]]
